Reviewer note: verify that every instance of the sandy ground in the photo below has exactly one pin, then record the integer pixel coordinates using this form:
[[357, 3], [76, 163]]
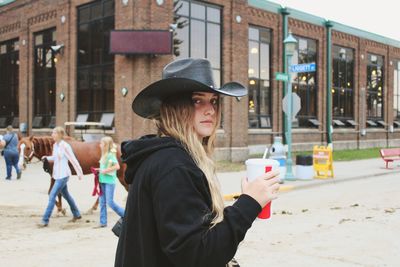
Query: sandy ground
[[348, 224], [22, 204]]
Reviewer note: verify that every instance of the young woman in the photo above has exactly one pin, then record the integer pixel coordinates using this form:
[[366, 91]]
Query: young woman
[[10, 142], [175, 214], [62, 154], [107, 177]]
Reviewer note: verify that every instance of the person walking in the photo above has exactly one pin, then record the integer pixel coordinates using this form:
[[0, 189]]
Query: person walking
[[10, 152], [107, 177], [175, 214], [62, 154]]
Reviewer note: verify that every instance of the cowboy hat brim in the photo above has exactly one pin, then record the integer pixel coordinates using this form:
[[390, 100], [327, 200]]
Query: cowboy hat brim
[[148, 102]]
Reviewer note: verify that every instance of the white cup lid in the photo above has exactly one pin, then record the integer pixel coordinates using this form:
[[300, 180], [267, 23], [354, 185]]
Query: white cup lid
[[262, 162]]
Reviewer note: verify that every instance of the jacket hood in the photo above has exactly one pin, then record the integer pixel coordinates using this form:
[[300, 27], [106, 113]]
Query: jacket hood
[[134, 152]]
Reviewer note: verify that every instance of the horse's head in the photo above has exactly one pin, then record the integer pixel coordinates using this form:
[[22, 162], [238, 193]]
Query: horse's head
[[26, 150]]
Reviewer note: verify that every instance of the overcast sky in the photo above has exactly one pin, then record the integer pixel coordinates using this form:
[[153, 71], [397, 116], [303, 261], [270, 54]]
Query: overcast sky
[[379, 16]]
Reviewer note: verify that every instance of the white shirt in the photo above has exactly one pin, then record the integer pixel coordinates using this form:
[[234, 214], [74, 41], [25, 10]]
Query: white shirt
[[62, 153]]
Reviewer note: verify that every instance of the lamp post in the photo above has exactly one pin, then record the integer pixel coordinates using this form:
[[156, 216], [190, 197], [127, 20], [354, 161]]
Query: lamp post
[[290, 46]]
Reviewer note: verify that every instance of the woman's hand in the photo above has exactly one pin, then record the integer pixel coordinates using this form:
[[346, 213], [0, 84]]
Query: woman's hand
[[43, 158], [263, 189]]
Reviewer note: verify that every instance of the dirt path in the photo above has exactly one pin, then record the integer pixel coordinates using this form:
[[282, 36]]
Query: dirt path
[[346, 224]]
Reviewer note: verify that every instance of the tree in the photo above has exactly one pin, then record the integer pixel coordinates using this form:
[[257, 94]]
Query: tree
[[178, 23]]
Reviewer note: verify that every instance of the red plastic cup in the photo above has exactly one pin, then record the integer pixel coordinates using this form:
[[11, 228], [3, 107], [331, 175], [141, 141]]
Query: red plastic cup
[[266, 211], [255, 168]]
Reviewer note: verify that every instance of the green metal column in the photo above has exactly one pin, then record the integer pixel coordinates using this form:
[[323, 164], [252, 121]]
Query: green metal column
[[285, 14], [329, 26]]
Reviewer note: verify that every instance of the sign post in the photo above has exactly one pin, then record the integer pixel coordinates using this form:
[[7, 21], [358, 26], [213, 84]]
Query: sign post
[[292, 105], [290, 46]]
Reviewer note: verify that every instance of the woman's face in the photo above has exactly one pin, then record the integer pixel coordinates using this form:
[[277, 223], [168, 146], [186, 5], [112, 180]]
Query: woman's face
[[205, 113], [56, 137]]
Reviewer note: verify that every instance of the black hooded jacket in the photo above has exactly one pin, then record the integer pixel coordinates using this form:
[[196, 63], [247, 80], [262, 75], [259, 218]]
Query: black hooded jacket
[[168, 210]]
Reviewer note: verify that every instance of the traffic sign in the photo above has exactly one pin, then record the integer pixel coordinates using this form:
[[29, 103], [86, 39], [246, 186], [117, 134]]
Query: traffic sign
[[279, 76], [311, 67], [296, 104]]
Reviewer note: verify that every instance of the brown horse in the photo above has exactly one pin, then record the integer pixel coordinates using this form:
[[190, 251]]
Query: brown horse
[[87, 153]]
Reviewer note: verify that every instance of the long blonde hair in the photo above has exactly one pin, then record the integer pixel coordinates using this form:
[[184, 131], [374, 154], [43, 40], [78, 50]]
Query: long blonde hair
[[108, 147], [176, 117]]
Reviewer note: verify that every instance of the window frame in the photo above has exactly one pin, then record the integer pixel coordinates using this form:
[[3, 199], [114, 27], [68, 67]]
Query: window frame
[[303, 119], [10, 88], [371, 91], [258, 118], [396, 91], [46, 107], [99, 99], [205, 21], [338, 61]]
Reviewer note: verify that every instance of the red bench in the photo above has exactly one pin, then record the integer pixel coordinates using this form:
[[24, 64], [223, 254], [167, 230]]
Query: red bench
[[390, 155]]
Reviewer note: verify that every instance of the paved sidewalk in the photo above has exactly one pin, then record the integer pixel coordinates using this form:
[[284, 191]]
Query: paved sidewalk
[[343, 171]]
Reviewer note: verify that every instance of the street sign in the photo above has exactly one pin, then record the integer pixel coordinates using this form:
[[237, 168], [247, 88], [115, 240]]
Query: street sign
[[296, 104], [311, 67], [279, 76]]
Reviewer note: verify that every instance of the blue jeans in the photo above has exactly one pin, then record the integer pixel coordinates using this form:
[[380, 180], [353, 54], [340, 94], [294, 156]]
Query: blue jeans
[[11, 158], [60, 185], [107, 198]]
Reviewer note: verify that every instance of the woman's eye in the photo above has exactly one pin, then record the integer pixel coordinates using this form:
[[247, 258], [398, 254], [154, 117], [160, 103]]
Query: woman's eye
[[196, 101], [214, 102]]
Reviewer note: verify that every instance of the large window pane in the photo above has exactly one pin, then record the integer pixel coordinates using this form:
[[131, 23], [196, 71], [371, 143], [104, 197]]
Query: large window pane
[[95, 64], [96, 32], [305, 84], [198, 11], [213, 42], [9, 79], [83, 44], [264, 61], [375, 87], [259, 78], [197, 41], [44, 98], [342, 87], [182, 37], [396, 91], [199, 32], [213, 15]]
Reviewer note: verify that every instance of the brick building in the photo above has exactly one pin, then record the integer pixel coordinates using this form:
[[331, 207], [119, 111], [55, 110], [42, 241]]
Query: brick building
[[55, 63]]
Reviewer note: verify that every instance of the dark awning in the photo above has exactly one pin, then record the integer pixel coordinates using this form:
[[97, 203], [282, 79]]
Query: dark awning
[[140, 42]]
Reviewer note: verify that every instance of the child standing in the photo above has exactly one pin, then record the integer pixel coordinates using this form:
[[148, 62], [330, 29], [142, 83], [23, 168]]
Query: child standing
[[107, 177]]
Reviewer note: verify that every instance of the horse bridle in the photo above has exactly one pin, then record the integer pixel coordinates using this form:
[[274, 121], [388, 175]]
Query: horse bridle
[[28, 159]]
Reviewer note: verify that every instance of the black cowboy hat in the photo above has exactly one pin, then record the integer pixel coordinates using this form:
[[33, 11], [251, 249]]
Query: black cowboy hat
[[181, 77]]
